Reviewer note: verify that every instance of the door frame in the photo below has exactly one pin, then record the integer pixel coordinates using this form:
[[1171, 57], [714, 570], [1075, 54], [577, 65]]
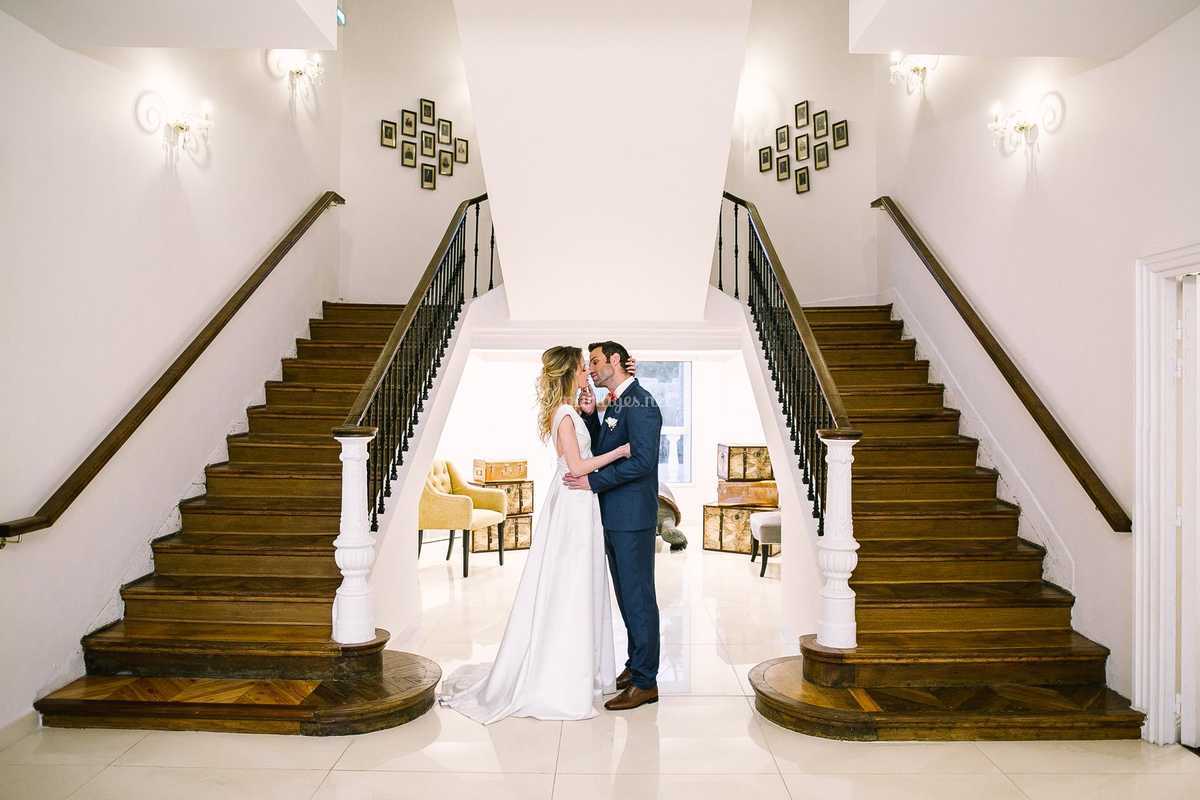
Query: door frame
[[1157, 556]]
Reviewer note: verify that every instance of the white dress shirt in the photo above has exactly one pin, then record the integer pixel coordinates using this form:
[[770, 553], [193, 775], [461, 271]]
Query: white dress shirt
[[620, 390]]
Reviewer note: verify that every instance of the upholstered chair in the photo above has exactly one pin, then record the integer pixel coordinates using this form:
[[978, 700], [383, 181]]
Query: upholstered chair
[[450, 503], [766, 529]]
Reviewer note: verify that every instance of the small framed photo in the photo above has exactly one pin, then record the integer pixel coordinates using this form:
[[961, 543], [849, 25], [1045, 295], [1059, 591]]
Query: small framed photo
[[446, 162], [821, 155], [427, 115], [428, 176], [802, 180], [408, 154], [782, 138], [408, 123], [802, 147], [802, 114], [461, 151], [783, 168], [428, 144], [841, 135], [387, 133], [764, 159], [445, 131], [820, 122]]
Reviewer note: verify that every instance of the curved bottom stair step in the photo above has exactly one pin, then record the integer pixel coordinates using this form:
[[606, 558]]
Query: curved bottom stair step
[[942, 713], [400, 692]]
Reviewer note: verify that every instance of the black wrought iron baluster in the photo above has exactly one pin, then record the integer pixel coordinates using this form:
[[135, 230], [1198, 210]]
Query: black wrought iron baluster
[[720, 248], [492, 254], [735, 250], [385, 438], [375, 495], [475, 280]]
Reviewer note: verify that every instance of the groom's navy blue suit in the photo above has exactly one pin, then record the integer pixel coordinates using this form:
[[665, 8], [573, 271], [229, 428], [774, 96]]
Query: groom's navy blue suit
[[628, 490]]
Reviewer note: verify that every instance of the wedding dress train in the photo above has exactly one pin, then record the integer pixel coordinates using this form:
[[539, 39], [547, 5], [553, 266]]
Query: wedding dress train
[[556, 655]]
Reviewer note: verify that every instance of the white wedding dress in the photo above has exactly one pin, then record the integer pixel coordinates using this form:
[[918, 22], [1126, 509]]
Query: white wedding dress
[[556, 656]]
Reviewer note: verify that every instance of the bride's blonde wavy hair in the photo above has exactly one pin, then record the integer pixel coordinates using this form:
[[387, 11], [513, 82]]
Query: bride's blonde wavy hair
[[556, 384]]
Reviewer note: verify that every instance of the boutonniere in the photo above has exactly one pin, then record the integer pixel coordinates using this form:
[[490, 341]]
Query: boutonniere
[[611, 422]]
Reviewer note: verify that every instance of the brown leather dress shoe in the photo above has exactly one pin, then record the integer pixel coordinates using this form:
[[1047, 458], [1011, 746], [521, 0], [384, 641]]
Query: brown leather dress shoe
[[624, 680], [632, 697]]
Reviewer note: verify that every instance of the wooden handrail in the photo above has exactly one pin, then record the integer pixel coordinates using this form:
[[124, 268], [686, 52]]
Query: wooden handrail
[[1105, 502], [833, 398], [78, 480], [353, 425]]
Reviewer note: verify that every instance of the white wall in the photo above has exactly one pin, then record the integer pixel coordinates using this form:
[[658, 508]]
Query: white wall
[[826, 238], [1045, 249], [393, 54], [112, 260]]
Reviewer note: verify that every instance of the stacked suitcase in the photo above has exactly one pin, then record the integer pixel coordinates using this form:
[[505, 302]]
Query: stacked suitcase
[[511, 476], [746, 484]]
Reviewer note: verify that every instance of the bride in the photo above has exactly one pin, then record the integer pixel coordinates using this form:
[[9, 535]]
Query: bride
[[557, 652]]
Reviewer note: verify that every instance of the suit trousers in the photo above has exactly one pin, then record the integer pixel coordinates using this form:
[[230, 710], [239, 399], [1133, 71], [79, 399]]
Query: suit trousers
[[631, 563]]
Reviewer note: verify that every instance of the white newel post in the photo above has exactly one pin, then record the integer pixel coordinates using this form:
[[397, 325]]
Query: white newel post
[[836, 550], [353, 607]]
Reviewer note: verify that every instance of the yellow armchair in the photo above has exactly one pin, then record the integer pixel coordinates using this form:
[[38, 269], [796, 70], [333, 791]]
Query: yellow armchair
[[450, 503]]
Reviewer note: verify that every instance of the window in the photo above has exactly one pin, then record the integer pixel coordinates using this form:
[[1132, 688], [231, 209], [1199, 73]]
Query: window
[[671, 384]]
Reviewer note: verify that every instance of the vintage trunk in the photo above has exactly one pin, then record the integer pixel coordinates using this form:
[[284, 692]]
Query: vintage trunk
[[518, 535], [744, 462], [520, 494], [748, 493], [486, 471], [727, 528]]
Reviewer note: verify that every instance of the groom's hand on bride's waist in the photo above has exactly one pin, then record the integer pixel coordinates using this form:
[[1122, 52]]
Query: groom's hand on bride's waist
[[576, 482]]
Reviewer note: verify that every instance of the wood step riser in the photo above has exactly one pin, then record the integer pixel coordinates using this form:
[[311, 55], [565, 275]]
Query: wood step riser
[[267, 486], [325, 373], [834, 314], [934, 528], [901, 427], [247, 453], [264, 565], [915, 398], [835, 357], [263, 423], [863, 335], [981, 489], [280, 522], [955, 571], [1025, 671], [342, 314], [915, 457], [212, 662], [285, 394], [914, 617], [325, 331], [849, 377], [277, 612], [365, 353]]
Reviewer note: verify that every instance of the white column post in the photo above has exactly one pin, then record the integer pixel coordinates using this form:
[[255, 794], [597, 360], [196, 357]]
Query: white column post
[[836, 550], [353, 607]]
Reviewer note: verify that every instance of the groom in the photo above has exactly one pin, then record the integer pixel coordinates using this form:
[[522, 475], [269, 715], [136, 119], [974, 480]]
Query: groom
[[628, 491]]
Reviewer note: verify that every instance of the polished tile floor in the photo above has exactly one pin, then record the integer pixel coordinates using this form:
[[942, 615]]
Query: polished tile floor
[[703, 740]]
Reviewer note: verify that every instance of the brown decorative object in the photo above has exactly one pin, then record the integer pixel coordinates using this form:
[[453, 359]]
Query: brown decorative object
[[518, 535], [727, 528], [744, 462], [75, 483], [486, 471], [764, 494], [1104, 499]]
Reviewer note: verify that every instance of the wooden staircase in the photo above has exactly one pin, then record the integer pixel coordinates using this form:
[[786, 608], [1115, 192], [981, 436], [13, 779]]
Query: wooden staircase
[[958, 635], [232, 630]]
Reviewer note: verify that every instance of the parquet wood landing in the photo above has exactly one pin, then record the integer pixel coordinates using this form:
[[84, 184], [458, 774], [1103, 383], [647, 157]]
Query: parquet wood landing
[[136, 689]]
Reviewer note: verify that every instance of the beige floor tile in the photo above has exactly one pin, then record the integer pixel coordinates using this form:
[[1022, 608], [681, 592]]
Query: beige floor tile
[[201, 783], [1110, 787], [676, 735], [44, 781], [903, 787], [234, 751], [445, 741], [744, 657], [669, 787], [70, 746], [435, 786], [796, 752], [695, 669], [1090, 757]]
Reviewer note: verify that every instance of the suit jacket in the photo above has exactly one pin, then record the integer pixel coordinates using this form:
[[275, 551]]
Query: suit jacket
[[628, 488]]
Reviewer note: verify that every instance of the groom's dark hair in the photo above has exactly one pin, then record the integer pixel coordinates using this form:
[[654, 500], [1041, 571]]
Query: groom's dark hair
[[609, 349]]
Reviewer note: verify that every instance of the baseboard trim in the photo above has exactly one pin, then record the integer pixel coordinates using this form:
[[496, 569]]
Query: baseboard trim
[[19, 728]]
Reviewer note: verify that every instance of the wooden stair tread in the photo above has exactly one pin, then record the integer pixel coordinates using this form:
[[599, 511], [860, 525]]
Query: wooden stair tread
[[890, 388], [304, 412], [850, 347], [254, 470], [818, 325], [966, 509], [922, 473], [818, 310], [283, 639], [876, 442], [867, 415], [977, 645], [948, 549], [270, 588], [959, 595], [320, 506], [361, 306], [402, 690], [318, 545], [316, 385]]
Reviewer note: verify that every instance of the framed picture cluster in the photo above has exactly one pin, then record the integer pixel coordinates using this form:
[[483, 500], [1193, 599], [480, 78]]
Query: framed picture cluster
[[811, 140], [415, 142]]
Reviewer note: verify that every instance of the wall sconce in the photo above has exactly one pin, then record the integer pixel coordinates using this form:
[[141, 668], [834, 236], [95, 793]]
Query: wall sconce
[[911, 70], [308, 71], [1010, 131], [188, 131]]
